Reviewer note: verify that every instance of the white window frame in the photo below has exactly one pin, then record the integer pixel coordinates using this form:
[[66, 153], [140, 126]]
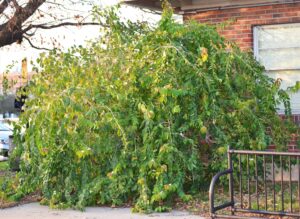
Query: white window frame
[[255, 42], [256, 54]]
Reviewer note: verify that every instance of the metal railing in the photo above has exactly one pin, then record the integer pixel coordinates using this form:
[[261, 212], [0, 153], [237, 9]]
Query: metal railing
[[260, 182]]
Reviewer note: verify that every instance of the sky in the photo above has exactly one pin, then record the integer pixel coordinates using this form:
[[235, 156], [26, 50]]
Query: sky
[[66, 36]]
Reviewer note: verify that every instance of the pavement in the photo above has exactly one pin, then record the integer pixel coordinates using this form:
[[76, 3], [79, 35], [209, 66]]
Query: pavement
[[36, 211], [3, 158]]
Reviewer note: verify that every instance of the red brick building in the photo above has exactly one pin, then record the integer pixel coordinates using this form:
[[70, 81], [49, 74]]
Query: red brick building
[[244, 19]]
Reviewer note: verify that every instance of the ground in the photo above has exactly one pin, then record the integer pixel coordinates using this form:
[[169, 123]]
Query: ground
[[36, 211], [3, 158]]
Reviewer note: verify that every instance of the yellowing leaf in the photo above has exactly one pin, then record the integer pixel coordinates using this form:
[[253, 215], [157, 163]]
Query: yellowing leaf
[[203, 130], [176, 109], [204, 54], [80, 154]]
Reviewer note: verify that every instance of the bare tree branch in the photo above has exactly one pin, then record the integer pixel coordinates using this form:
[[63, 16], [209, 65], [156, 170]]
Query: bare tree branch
[[16, 5], [33, 46], [61, 25], [11, 31], [3, 5], [20, 18]]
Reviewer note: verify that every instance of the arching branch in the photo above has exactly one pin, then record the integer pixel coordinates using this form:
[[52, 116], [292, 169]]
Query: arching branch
[[34, 46], [78, 24]]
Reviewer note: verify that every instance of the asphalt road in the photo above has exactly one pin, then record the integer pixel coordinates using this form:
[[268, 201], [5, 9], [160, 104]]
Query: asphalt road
[[36, 211]]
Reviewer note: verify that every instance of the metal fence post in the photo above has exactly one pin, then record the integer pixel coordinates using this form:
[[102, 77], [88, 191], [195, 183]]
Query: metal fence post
[[230, 167]]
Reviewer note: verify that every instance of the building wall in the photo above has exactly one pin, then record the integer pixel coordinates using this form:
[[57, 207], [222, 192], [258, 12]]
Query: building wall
[[244, 19], [15, 81]]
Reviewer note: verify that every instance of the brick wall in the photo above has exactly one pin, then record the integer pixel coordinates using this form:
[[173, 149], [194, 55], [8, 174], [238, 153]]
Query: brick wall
[[295, 138], [243, 20]]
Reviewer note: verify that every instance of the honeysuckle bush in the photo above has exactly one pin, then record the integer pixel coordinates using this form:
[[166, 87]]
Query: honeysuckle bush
[[133, 117]]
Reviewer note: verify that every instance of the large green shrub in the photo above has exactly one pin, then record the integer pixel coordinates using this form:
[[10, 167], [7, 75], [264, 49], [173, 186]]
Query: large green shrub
[[130, 118]]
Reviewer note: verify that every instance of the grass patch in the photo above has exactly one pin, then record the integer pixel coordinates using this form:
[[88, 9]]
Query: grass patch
[[4, 166]]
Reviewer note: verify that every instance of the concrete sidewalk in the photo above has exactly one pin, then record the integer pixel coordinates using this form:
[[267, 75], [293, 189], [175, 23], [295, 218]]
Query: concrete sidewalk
[[36, 211], [3, 158]]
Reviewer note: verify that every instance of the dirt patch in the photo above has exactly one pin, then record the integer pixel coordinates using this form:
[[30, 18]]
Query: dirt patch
[[197, 207], [5, 173]]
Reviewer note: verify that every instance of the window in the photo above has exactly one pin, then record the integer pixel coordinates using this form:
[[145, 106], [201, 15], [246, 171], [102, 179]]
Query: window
[[277, 47]]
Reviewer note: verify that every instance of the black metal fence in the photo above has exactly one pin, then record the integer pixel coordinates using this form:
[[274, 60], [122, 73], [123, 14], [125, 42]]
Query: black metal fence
[[261, 183]]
